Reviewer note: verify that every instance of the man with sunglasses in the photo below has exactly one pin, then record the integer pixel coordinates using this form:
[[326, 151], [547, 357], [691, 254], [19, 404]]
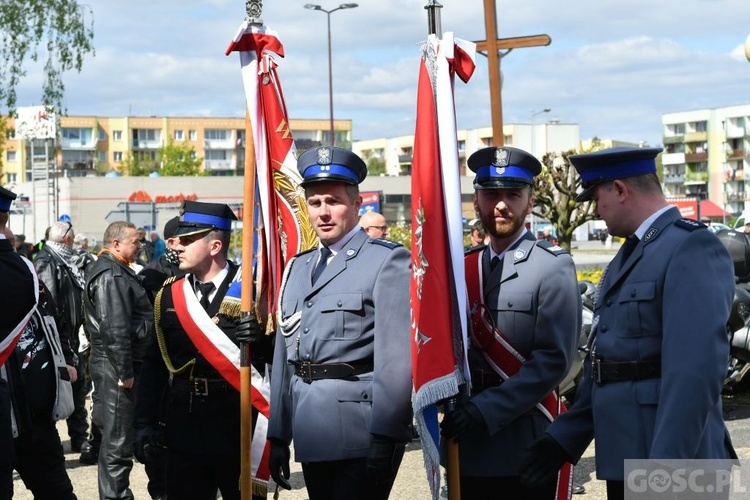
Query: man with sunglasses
[[56, 267]]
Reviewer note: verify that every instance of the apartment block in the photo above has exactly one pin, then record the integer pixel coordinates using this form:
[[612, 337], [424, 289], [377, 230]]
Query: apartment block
[[707, 154], [92, 146]]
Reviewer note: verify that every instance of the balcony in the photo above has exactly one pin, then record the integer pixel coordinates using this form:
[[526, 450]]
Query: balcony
[[144, 144], [674, 178], [673, 158], [219, 165], [696, 136], [78, 145], [736, 154], [673, 139], [695, 157], [696, 177], [736, 197], [735, 132], [219, 144], [79, 165]]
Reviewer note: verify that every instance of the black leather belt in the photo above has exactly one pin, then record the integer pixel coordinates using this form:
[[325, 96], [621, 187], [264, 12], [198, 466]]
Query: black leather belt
[[615, 371], [311, 371], [201, 386]]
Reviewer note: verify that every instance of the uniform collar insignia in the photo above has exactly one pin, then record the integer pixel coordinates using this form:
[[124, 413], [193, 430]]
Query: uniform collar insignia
[[650, 234], [519, 254]]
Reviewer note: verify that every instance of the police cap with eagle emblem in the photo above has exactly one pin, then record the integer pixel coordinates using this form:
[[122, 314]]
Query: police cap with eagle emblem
[[611, 164], [503, 168], [198, 217], [332, 164]]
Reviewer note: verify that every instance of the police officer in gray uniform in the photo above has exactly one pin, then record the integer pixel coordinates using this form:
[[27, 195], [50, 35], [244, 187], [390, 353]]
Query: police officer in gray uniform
[[530, 291], [659, 347], [341, 379]]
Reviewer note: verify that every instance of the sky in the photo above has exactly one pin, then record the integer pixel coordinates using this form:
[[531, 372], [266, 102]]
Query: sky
[[613, 67]]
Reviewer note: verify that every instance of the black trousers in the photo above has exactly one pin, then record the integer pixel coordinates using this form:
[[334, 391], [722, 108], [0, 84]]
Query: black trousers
[[193, 476], [78, 426], [40, 461], [493, 488], [342, 480], [6, 443]]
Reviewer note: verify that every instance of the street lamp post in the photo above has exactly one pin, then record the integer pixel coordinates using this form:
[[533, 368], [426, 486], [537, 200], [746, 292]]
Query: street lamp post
[[330, 64], [533, 114]]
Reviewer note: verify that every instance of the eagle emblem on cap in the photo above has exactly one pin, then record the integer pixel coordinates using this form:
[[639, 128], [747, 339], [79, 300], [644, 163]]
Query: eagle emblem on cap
[[324, 156], [500, 158]]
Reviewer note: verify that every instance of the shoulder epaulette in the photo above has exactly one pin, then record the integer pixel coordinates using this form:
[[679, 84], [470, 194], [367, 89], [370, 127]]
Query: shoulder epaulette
[[386, 243], [474, 249], [690, 224], [551, 247]]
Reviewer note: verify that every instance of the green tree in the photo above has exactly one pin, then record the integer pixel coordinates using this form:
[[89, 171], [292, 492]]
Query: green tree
[[137, 165], [179, 159], [65, 31], [375, 166], [555, 191]]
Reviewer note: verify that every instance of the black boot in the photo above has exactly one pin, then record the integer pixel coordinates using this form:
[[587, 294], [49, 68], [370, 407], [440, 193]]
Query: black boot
[[89, 454]]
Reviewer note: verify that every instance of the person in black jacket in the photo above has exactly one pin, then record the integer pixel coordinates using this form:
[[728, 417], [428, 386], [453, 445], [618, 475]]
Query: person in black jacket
[[55, 265], [39, 457], [119, 317], [17, 301], [157, 271]]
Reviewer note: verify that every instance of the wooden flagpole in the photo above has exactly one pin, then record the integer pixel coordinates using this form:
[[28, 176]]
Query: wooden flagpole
[[253, 9], [452, 466]]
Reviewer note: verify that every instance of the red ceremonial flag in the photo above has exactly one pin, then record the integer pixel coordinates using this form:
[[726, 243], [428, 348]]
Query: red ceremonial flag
[[281, 223], [283, 228], [438, 284]]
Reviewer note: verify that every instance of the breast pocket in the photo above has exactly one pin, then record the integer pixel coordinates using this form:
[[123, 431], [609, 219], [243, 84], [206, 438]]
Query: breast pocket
[[342, 315], [638, 310], [512, 314]]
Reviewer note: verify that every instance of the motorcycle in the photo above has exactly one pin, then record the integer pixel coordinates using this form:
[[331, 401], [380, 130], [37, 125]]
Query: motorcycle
[[567, 387]]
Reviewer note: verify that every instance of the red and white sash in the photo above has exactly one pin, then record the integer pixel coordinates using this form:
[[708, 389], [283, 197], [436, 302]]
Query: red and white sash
[[9, 343], [224, 356], [504, 359]]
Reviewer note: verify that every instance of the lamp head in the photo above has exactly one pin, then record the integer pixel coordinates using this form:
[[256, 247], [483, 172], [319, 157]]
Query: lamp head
[[312, 6], [348, 5]]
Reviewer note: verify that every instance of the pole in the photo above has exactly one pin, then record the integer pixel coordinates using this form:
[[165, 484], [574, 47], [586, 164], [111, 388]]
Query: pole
[[433, 18], [330, 79], [253, 9]]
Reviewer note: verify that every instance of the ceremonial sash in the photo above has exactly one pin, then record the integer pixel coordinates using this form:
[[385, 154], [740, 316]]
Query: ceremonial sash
[[8, 343], [224, 356], [504, 359]]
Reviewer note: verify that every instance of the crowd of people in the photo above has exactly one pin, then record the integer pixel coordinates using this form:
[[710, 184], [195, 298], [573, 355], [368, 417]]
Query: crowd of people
[[147, 324]]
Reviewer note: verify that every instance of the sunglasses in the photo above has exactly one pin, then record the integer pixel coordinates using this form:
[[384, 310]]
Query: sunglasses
[[382, 228], [70, 228]]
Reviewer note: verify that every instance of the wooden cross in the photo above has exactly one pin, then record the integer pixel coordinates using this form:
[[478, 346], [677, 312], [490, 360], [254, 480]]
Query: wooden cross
[[490, 48]]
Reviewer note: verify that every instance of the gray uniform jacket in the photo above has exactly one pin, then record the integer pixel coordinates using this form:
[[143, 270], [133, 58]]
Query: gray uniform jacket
[[357, 312], [669, 301], [534, 301]]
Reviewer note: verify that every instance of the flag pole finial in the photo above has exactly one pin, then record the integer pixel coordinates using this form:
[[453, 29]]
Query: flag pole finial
[[433, 18], [254, 9]]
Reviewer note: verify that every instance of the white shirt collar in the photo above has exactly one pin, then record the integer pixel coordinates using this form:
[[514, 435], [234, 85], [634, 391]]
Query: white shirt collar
[[648, 222]]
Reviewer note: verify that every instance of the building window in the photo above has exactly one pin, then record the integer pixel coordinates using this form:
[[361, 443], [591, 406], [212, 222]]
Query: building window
[[11, 177], [102, 135], [11, 133], [117, 156], [10, 156], [179, 135], [215, 135], [192, 135], [101, 156], [216, 154], [117, 135]]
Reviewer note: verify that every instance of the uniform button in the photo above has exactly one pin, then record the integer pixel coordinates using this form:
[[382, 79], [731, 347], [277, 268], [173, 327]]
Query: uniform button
[[632, 293], [603, 328], [339, 303], [609, 302], [309, 305], [306, 330], [510, 304], [364, 395]]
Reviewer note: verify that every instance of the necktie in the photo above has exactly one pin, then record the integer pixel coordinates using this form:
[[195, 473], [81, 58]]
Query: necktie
[[322, 263], [206, 289], [627, 248], [494, 262]]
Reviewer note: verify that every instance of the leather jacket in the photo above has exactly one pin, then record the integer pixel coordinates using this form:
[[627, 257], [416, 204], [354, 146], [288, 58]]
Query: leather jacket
[[65, 290], [119, 315]]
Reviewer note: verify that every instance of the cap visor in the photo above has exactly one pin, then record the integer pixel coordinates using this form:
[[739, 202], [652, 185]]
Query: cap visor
[[586, 194], [190, 230], [501, 184]]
